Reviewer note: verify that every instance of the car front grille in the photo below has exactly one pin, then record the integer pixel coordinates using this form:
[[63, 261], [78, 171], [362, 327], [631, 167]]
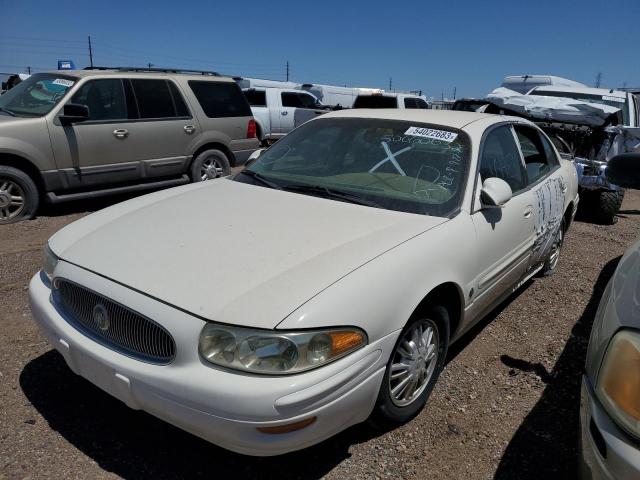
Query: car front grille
[[113, 325]]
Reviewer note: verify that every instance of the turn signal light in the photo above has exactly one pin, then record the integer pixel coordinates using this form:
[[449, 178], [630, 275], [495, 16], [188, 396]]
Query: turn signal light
[[289, 427]]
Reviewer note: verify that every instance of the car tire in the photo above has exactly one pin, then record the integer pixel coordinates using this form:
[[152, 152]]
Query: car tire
[[19, 196], [551, 263], [209, 165], [391, 408], [607, 205]]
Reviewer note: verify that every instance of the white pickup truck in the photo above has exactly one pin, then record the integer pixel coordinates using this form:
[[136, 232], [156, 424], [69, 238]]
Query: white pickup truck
[[277, 111]]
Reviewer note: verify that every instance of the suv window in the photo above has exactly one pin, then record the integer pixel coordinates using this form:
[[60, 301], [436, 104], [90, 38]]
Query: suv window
[[220, 99], [501, 158], [533, 151], [104, 98], [154, 98], [256, 98], [178, 101]]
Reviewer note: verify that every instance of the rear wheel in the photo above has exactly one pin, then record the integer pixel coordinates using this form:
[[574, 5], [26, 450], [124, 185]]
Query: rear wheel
[[19, 197], [209, 165], [413, 369]]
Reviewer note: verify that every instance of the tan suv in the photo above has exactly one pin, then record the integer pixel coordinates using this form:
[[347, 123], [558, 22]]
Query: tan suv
[[88, 133]]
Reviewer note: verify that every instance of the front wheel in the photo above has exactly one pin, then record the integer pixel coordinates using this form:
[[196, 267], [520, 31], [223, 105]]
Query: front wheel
[[209, 165], [19, 196], [413, 369]]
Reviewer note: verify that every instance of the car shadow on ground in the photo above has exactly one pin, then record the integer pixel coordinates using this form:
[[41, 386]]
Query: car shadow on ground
[[546, 445], [134, 444]]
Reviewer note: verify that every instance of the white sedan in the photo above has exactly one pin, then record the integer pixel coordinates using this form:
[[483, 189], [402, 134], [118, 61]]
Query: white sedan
[[318, 288]]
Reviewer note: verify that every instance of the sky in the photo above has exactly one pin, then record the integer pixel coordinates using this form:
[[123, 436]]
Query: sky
[[435, 47]]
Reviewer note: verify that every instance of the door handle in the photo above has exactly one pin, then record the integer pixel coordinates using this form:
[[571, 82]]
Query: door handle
[[285, 113], [189, 129], [121, 133], [528, 211]]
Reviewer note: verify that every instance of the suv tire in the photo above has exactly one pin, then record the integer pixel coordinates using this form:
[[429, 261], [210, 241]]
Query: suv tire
[[19, 196], [209, 165]]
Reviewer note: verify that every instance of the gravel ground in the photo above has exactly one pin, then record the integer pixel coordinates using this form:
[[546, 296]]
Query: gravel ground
[[506, 405]]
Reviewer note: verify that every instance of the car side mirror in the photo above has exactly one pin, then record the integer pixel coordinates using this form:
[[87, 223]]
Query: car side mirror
[[74, 113], [253, 158], [495, 193], [624, 170]]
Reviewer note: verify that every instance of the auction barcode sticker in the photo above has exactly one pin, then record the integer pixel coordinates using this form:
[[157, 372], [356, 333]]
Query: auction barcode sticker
[[432, 133], [64, 82]]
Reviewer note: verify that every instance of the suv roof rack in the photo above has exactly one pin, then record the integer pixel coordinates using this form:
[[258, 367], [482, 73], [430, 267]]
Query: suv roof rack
[[157, 70]]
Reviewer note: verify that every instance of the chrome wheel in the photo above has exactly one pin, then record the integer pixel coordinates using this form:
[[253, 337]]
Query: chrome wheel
[[413, 363], [12, 199], [554, 256], [211, 168]]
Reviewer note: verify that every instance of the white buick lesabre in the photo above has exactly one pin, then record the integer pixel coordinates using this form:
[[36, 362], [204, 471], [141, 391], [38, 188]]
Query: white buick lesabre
[[319, 287]]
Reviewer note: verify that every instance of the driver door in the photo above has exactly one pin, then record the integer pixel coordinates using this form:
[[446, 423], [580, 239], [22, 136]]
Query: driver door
[[504, 235]]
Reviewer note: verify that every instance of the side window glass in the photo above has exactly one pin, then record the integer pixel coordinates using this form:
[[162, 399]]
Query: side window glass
[[420, 103], [104, 98], [535, 157], [256, 98], [178, 100], [501, 158], [306, 101], [220, 99], [154, 98], [290, 99], [410, 103], [549, 152]]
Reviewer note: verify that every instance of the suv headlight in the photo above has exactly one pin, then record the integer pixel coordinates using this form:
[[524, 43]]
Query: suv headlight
[[618, 384], [274, 352], [49, 262]]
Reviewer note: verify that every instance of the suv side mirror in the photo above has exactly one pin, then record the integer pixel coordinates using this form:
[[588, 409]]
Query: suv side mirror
[[74, 113], [495, 193], [624, 170]]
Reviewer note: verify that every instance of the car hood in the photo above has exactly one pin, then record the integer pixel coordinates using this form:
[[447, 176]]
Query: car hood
[[232, 252]]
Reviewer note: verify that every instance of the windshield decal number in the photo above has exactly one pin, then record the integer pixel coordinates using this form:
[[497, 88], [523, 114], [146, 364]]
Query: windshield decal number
[[432, 133], [63, 82]]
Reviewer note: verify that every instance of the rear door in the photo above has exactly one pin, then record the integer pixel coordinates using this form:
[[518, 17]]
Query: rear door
[[504, 235], [548, 189]]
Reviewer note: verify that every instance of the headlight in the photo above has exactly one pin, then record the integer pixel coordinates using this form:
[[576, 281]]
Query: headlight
[[273, 352], [49, 262], [618, 384]]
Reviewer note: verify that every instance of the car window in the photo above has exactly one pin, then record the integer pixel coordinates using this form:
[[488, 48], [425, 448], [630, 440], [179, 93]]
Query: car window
[[178, 101], [104, 98], [307, 101], [397, 165], [375, 101], [550, 154], [220, 99], [501, 158], [256, 98], [420, 103], [290, 99], [154, 98], [410, 103], [536, 161]]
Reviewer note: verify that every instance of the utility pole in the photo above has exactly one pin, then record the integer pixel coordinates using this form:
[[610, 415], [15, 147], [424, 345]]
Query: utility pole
[[390, 84], [29, 70], [454, 93], [90, 53], [287, 70], [150, 64], [598, 79]]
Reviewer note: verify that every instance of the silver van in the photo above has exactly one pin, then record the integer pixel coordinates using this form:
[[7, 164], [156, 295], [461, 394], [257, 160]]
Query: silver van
[[87, 133]]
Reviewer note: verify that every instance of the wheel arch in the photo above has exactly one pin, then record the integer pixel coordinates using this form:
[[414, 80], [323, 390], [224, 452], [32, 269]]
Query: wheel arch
[[25, 165], [568, 216], [448, 295], [215, 146]]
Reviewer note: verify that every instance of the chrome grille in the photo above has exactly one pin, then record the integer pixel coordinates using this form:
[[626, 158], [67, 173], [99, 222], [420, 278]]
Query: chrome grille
[[113, 325]]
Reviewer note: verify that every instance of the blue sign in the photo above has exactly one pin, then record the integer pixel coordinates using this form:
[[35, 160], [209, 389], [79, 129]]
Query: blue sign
[[66, 65]]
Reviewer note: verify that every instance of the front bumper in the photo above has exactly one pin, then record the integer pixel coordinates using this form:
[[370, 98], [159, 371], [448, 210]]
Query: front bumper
[[591, 175], [607, 452], [220, 406]]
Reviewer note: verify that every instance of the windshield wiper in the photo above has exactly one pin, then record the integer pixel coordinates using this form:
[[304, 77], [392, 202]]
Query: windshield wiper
[[261, 178], [6, 110], [331, 193]]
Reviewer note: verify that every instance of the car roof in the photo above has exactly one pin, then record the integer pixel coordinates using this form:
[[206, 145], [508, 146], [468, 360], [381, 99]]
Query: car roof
[[135, 73], [585, 90], [450, 118]]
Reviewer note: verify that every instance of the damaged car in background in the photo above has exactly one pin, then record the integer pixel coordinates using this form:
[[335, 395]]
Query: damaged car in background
[[587, 125]]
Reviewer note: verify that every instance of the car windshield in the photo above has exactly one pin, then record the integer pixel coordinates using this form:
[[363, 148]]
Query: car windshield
[[36, 95], [609, 100], [396, 165]]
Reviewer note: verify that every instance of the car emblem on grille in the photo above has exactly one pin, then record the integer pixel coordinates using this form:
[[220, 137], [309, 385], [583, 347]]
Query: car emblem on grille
[[101, 317]]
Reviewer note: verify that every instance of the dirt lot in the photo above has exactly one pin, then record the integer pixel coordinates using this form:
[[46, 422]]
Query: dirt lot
[[506, 405]]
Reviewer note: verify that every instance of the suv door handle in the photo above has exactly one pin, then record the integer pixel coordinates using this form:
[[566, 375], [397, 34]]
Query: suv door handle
[[189, 129], [121, 133]]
